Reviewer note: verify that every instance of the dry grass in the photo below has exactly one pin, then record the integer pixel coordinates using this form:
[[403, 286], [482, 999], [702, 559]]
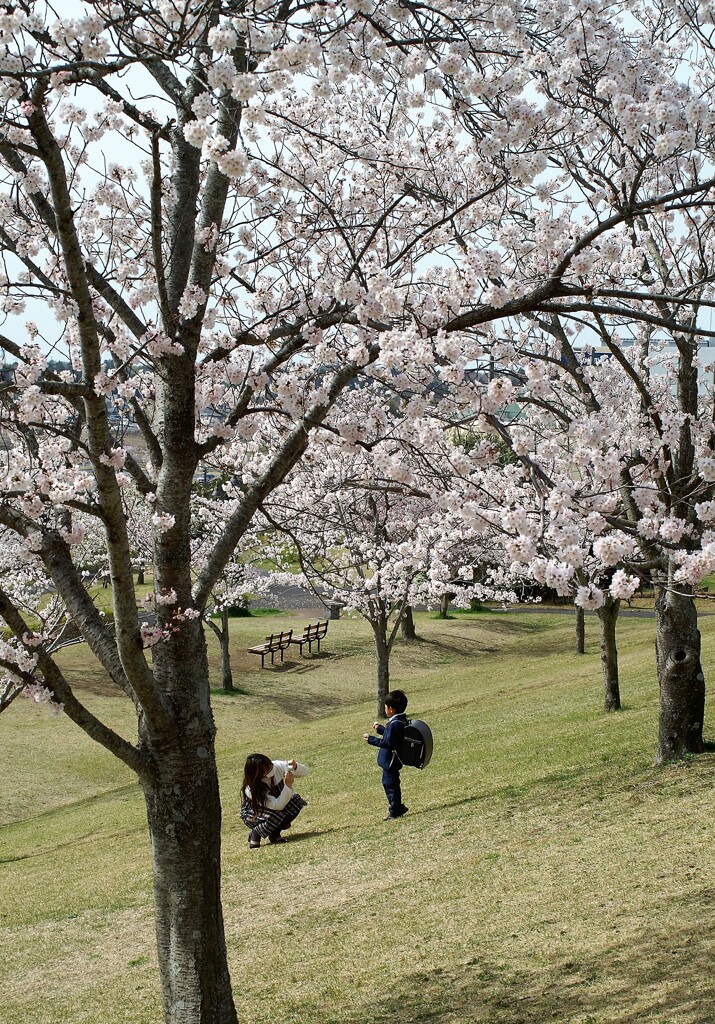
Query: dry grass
[[545, 871]]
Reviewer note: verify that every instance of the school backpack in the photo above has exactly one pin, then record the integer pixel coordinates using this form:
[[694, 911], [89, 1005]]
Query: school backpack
[[415, 748]]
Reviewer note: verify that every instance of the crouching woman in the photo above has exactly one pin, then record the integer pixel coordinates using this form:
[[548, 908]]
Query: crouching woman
[[268, 802]]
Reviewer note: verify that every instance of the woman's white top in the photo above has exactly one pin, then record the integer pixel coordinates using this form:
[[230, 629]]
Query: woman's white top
[[274, 778]]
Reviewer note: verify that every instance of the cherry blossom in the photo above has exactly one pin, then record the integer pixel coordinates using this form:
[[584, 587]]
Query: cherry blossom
[[217, 225]]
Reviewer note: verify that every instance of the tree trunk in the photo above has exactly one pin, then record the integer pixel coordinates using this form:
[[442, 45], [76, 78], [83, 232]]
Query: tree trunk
[[407, 625], [580, 631], [444, 605], [382, 666], [184, 814], [680, 675], [140, 576], [607, 616], [224, 639]]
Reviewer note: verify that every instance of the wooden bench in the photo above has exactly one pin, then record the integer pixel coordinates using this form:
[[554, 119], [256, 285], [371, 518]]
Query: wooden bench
[[312, 634], [274, 643]]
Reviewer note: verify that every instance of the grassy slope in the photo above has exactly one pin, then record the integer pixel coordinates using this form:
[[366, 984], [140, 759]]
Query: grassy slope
[[545, 871]]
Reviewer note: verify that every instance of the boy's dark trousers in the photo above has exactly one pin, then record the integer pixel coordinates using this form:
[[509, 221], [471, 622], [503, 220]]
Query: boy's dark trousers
[[393, 790], [388, 739]]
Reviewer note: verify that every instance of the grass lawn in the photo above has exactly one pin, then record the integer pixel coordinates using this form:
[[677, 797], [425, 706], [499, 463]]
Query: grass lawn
[[546, 871]]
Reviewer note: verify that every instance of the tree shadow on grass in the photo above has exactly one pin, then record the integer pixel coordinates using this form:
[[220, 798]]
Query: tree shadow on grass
[[298, 837], [87, 838], [105, 796], [506, 792], [303, 707], [347, 650], [660, 976], [309, 659], [295, 665], [459, 644], [94, 680]]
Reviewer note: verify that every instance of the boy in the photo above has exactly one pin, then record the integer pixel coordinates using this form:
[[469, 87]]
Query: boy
[[388, 739]]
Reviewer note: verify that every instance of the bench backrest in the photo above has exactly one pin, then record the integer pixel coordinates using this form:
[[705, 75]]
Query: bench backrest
[[315, 630], [279, 641]]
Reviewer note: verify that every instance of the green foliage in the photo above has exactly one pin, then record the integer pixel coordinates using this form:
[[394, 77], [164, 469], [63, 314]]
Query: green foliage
[[239, 611], [475, 608]]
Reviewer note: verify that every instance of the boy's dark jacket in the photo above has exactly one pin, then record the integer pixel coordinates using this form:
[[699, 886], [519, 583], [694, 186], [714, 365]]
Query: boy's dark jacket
[[389, 738]]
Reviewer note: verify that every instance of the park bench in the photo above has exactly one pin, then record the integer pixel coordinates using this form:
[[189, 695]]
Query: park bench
[[312, 634], [276, 642]]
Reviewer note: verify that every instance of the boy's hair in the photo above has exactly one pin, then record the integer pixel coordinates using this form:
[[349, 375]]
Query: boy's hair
[[396, 699]]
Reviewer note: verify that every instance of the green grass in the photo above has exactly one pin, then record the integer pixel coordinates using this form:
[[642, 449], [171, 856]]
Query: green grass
[[546, 871]]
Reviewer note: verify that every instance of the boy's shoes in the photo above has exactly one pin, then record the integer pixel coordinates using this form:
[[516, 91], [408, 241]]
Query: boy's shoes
[[397, 814], [277, 839], [254, 841]]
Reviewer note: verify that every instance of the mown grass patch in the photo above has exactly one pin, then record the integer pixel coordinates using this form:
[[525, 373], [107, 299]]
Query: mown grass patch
[[546, 871]]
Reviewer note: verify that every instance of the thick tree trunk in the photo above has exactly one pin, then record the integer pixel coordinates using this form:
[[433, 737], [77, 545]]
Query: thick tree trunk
[[224, 639], [407, 624], [184, 814], [444, 605], [680, 675], [580, 631], [607, 616]]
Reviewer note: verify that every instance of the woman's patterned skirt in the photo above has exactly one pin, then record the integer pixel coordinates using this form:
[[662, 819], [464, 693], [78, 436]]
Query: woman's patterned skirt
[[267, 823]]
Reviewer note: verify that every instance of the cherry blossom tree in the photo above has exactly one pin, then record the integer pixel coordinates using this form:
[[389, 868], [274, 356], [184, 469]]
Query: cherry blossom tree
[[365, 536], [606, 455], [216, 216], [218, 247], [658, 512], [239, 582], [357, 543], [546, 538], [642, 291]]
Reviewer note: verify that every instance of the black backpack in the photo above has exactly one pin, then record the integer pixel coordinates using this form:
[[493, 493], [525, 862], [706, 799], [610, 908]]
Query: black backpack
[[415, 748]]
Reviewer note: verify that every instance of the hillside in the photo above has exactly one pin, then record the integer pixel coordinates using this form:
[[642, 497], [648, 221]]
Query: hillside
[[545, 871]]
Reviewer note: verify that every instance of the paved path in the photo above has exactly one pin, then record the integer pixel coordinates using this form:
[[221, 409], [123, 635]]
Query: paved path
[[288, 599]]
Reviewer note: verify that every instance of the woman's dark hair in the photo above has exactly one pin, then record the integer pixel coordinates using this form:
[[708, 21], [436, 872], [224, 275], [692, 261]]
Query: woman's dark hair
[[396, 699], [257, 766]]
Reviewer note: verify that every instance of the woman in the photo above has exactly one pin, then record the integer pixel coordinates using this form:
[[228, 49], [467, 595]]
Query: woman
[[268, 803]]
